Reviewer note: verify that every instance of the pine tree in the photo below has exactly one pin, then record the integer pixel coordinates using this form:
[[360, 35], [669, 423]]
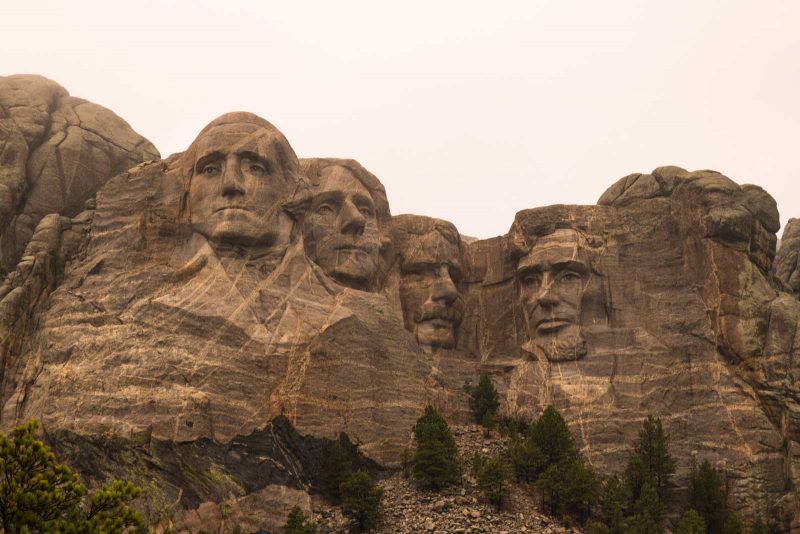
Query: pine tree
[[650, 462], [526, 458], [492, 479], [552, 437], [39, 494], [732, 525], [613, 516], [646, 518], [297, 523], [361, 499], [758, 527], [435, 464], [484, 401], [581, 490], [707, 498], [550, 485], [338, 467], [691, 523]]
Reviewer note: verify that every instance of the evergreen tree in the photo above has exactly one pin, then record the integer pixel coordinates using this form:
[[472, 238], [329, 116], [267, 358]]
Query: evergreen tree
[[552, 437], [361, 499], [758, 527], [691, 523], [435, 464], [492, 479], [613, 516], [526, 458], [707, 498], [650, 462], [551, 488], [39, 494], [297, 523], [484, 401], [338, 467], [581, 489], [646, 518], [732, 525]]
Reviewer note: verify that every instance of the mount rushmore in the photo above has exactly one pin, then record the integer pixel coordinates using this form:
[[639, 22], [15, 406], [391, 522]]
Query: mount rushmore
[[204, 324]]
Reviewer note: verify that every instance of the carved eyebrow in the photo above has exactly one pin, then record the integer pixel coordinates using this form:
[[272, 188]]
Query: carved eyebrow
[[572, 265], [326, 196], [366, 199], [254, 156], [208, 158]]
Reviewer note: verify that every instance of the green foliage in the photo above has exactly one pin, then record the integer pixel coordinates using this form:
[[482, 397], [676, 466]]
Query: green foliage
[[647, 512], [650, 462], [707, 498], [297, 523], [435, 464], [759, 527], [526, 458], [492, 476], [39, 494], [484, 401], [552, 437], [337, 468], [691, 523], [581, 490], [361, 499], [612, 501], [732, 525], [549, 484]]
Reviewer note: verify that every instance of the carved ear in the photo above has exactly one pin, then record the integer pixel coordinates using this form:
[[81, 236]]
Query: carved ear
[[297, 207]]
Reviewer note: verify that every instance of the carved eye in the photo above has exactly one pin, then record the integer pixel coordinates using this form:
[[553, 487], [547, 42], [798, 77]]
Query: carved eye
[[531, 279], [210, 169], [324, 209], [570, 277], [257, 168], [365, 211]]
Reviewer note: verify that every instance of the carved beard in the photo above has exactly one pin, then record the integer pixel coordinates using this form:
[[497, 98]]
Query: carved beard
[[563, 346]]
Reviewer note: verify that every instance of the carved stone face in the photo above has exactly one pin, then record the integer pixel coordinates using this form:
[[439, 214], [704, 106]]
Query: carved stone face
[[340, 230], [552, 279], [432, 304], [237, 186]]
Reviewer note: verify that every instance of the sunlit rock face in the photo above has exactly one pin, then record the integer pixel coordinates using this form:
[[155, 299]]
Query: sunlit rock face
[[56, 151], [214, 320]]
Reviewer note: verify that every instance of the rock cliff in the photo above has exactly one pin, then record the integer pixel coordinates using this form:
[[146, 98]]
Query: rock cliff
[[212, 322]]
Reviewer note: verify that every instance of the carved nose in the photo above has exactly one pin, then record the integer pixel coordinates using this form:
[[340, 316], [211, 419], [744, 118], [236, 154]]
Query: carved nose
[[444, 289], [232, 179], [353, 221], [546, 296]]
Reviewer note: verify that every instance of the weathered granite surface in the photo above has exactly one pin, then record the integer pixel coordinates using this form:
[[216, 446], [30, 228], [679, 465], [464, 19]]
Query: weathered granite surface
[[214, 321]]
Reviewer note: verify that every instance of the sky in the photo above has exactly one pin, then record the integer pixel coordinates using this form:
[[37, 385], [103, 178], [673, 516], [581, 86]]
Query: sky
[[466, 111]]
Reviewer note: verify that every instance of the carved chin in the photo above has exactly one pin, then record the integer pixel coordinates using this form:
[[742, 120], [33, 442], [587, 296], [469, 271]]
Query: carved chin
[[564, 345], [435, 333]]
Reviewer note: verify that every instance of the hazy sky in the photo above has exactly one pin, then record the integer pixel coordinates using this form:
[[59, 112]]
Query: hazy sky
[[467, 111]]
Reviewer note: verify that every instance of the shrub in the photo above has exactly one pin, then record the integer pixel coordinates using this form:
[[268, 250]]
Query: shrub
[[39, 494], [492, 479], [691, 523], [435, 463], [297, 523], [338, 467], [484, 401], [361, 499]]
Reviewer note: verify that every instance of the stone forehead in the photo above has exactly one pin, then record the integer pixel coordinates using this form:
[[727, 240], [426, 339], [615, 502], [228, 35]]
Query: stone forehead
[[317, 169], [420, 239]]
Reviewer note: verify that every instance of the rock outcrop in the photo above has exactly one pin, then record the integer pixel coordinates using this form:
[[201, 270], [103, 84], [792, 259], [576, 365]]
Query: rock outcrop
[[217, 319]]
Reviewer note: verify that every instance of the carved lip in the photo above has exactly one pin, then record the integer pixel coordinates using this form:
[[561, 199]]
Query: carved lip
[[352, 248], [552, 324], [438, 322], [224, 208]]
